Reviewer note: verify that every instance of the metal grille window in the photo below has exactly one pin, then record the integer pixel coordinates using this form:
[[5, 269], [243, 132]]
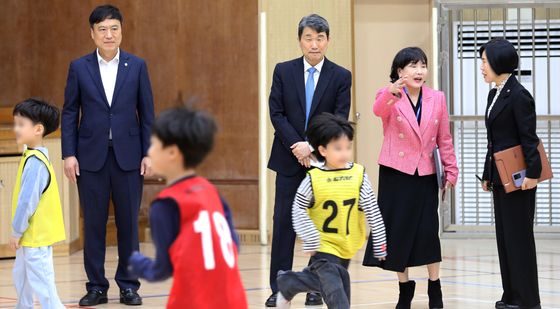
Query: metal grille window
[[535, 31]]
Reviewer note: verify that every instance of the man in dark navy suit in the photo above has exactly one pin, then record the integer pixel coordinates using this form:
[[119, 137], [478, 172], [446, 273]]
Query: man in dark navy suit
[[106, 120], [301, 88]]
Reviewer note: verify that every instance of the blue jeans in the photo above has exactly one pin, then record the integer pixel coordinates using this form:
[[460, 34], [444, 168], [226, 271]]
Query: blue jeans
[[327, 274]]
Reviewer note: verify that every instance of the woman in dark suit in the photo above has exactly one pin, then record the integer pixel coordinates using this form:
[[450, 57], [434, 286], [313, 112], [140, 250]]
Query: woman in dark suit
[[510, 121]]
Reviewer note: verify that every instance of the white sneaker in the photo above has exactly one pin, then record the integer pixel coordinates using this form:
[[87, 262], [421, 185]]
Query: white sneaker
[[281, 302]]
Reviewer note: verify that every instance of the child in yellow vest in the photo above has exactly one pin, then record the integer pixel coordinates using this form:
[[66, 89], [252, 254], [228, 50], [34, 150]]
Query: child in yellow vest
[[37, 221], [329, 213]]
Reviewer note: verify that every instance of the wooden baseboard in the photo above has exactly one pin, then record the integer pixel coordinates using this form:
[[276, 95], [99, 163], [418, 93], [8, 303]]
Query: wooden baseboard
[[60, 249], [6, 252], [249, 237], [66, 249], [246, 237]]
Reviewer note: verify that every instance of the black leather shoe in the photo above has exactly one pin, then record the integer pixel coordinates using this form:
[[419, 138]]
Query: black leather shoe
[[93, 298], [500, 305], [313, 299], [522, 307], [130, 297], [271, 301]]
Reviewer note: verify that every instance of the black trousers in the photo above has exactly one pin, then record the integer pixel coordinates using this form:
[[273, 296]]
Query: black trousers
[[515, 213], [283, 235], [95, 190]]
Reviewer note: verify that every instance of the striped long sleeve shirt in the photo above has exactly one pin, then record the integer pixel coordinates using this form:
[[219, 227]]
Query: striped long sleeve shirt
[[307, 231]]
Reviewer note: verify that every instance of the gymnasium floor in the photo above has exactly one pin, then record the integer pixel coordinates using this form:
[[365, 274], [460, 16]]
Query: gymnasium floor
[[470, 278]]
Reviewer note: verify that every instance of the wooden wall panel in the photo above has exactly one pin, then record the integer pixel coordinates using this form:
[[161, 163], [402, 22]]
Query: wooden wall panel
[[374, 20], [203, 49], [282, 19]]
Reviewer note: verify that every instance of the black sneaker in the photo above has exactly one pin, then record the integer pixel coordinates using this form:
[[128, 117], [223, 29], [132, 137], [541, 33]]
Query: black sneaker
[[93, 298], [271, 301], [313, 299], [130, 297]]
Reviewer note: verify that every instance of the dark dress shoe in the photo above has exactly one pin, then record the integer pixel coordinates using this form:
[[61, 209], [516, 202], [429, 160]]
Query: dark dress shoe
[[130, 297], [271, 301], [93, 298], [508, 306], [313, 299], [501, 304]]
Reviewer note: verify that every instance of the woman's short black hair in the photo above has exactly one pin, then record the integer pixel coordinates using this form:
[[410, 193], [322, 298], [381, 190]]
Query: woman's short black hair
[[501, 55], [39, 112], [191, 130], [405, 57], [103, 12], [325, 128]]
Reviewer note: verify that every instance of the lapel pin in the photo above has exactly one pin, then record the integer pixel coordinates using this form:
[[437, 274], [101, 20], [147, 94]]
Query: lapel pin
[[126, 64], [508, 90]]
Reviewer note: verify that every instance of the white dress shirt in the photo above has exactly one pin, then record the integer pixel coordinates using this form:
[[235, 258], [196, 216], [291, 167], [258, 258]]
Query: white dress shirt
[[317, 73], [498, 91], [108, 71]]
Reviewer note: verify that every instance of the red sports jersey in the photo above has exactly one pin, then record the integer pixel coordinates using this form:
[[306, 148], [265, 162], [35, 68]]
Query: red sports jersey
[[204, 256]]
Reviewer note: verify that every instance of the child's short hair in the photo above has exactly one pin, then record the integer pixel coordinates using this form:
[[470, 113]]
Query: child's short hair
[[39, 111], [191, 130], [326, 127]]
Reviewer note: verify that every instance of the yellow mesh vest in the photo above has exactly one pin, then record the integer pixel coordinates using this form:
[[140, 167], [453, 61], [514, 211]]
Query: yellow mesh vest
[[335, 212], [46, 226]]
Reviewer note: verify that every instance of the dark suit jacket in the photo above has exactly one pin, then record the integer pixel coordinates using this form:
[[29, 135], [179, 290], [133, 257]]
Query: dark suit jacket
[[287, 107], [512, 122], [87, 116]]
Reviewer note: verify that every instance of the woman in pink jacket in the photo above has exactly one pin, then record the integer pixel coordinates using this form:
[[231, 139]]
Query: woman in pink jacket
[[415, 121]]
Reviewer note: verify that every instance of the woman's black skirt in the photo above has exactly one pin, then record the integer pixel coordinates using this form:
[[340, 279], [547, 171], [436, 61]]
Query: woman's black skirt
[[409, 206]]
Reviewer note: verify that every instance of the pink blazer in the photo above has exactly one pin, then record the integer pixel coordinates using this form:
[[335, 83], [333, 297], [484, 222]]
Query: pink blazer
[[408, 146]]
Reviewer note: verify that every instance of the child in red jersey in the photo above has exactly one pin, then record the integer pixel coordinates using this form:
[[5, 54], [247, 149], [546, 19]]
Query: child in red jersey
[[189, 225]]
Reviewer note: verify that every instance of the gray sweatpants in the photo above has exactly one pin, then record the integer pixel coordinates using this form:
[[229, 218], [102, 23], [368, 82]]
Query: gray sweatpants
[[327, 274]]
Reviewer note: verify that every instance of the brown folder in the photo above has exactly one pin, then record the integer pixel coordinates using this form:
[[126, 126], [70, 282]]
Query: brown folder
[[511, 161]]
